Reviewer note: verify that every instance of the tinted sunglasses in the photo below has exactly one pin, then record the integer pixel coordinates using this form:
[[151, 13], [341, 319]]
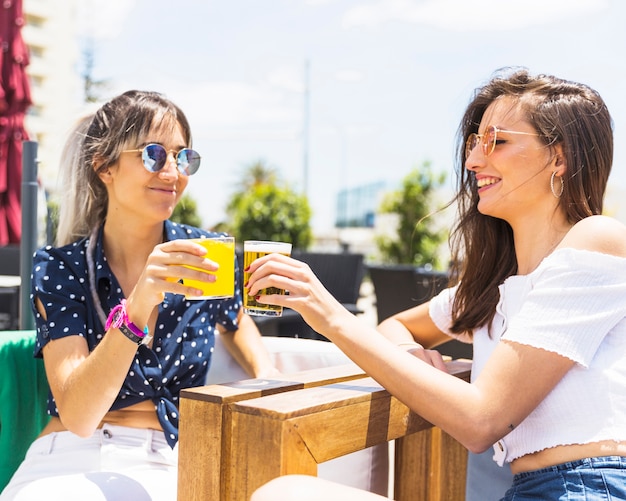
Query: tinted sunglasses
[[154, 157], [488, 139]]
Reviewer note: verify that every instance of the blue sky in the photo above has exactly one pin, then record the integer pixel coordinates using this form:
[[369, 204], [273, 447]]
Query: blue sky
[[388, 79]]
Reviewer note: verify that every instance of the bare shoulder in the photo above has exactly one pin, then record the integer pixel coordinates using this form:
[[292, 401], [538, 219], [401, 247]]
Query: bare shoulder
[[598, 233]]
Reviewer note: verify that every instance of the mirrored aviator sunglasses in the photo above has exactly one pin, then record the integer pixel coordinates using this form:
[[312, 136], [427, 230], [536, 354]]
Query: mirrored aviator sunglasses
[[154, 157]]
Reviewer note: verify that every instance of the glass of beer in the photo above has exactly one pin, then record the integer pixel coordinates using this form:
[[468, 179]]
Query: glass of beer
[[252, 250], [222, 251]]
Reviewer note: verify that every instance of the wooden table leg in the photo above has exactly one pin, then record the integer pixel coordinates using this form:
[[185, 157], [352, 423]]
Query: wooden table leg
[[200, 451], [263, 449], [424, 468]]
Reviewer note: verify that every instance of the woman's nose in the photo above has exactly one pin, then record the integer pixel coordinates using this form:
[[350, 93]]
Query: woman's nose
[[170, 169], [475, 159]]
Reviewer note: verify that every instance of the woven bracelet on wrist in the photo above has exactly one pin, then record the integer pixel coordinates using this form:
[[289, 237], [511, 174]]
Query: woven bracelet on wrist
[[118, 318]]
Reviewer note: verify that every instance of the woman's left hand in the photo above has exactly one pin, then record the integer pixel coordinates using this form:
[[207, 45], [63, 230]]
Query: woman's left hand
[[305, 293]]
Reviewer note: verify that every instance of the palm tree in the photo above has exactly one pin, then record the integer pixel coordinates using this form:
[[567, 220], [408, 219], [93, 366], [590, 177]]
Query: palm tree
[[256, 174], [265, 208], [259, 173]]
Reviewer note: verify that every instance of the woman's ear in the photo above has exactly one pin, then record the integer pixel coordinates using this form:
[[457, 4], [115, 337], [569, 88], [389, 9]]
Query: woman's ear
[[558, 161], [103, 174]]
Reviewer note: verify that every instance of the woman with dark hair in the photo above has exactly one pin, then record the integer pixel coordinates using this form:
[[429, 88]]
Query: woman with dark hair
[[115, 384], [541, 293]]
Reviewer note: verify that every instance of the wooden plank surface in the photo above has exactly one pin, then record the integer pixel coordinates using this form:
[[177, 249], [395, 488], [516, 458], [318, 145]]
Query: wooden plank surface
[[253, 388]]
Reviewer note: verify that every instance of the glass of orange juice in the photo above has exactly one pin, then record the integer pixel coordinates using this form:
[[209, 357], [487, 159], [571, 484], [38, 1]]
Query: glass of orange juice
[[222, 251]]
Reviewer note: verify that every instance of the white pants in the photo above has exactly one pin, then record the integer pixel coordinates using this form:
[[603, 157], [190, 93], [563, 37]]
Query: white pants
[[115, 463]]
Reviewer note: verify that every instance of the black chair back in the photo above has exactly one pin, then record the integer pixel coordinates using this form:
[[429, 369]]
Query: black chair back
[[9, 294], [341, 273], [10, 260], [400, 287]]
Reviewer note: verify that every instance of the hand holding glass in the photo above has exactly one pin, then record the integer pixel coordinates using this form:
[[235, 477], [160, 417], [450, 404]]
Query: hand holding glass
[[222, 251], [253, 250]]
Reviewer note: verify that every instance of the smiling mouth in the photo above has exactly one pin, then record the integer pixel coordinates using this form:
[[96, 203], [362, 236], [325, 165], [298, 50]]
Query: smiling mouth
[[486, 181], [165, 190]]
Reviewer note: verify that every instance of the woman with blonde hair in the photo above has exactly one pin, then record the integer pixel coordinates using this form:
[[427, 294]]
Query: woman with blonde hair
[[118, 337]]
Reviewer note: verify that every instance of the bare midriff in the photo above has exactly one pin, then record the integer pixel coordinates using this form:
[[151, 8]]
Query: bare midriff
[[141, 415], [565, 453]]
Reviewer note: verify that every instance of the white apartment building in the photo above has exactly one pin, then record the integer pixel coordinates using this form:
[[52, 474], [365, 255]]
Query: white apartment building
[[50, 31]]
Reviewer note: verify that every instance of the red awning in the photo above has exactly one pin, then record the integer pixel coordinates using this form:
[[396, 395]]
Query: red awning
[[14, 101]]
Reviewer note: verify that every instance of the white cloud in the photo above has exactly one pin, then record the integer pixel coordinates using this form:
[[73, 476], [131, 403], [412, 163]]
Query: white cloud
[[474, 15]]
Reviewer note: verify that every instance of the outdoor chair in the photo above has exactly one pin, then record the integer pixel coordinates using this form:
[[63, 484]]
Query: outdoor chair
[[23, 398], [341, 273], [400, 287], [9, 290], [10, 260]]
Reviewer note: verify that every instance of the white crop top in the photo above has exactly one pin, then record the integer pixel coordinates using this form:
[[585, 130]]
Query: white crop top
[[573, 304]]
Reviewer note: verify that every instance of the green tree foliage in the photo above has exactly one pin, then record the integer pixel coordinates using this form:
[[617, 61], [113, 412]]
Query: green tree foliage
[[186, 212], [264, 208], [417, 240]]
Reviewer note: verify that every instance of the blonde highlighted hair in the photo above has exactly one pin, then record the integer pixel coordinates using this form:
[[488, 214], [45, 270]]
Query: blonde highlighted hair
[[95, 144]]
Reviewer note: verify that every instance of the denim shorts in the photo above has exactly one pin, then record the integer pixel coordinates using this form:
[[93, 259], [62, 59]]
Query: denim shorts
[[589, 479]]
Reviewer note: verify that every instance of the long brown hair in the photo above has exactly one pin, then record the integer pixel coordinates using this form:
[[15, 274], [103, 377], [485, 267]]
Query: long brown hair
[[562, 112]]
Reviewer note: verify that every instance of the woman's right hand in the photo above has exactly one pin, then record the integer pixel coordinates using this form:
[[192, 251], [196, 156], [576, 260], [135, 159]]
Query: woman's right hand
[[166, 265], [307, 295]]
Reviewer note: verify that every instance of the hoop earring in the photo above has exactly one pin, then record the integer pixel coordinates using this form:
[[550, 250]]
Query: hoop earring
[[556, 195]]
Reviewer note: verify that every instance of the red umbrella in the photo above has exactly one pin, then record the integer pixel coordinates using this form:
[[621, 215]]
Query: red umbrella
[[14, 101]]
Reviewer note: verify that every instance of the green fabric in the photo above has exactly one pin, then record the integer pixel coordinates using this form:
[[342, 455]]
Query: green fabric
[[23, 396]]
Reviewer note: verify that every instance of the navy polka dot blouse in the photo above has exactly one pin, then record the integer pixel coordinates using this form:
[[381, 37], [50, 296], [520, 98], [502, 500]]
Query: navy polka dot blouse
[[184, 336]]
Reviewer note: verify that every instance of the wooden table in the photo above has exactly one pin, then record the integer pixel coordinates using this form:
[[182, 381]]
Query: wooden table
[[236, 437]]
